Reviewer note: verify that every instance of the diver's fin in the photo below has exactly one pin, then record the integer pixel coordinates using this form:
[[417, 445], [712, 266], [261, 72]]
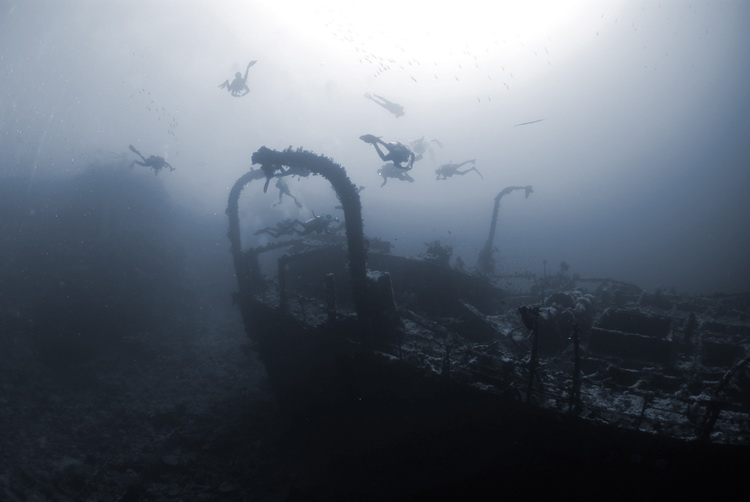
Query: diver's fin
[[251, 63], [132, 149]]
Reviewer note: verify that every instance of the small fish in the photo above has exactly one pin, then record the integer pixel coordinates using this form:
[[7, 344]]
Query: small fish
[[527, 123]]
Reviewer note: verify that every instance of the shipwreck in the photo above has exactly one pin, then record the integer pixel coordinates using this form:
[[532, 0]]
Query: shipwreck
[[406, 350]]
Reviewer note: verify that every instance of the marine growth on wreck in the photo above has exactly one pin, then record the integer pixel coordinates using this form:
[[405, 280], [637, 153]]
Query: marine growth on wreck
[[595, 349]]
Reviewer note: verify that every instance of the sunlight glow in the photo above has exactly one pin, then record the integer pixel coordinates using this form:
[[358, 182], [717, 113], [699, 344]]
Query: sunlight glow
[[434, 39]]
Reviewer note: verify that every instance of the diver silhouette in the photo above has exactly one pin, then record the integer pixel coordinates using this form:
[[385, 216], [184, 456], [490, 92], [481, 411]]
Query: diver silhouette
[[238, 87], [398, 153], [284, 190], [390, 170], [316, 224], [154, 162], [447, 170], [392, 107], [421, 146]]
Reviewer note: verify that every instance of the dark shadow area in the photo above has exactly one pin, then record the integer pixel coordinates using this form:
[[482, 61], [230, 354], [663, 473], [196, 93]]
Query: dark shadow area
[[126, 375], [123, 365]]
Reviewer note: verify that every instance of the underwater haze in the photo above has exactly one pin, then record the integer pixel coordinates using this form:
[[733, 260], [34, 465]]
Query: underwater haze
[[628, 118]]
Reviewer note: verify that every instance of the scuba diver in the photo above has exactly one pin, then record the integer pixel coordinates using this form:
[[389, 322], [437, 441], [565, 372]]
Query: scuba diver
[[421, 146], [285, 227], [155, 162], [447, 170], [392, 107], [316, 224], [398, 153], [284, 190], [238, 87], [390, 170]]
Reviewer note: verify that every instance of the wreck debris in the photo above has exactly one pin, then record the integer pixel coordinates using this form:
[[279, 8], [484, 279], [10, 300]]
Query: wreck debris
[[291, 162], [437, 252], [273, 162], [244, 277], [617, 356], [575, 393], [285, 260], [633, 334], [716, 404], [530, 318], [485, 262]]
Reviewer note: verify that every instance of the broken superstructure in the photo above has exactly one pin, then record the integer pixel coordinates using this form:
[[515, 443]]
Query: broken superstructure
[[342, 327]]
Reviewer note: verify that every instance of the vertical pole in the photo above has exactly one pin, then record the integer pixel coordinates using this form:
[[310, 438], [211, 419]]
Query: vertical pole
[[575, 393], [646, 402], [330, 286], [486, 263], [282, 283], [533, 360]]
